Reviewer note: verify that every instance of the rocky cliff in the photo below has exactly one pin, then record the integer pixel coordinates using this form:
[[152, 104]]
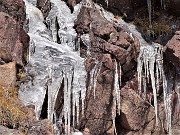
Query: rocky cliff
[[113, 103]]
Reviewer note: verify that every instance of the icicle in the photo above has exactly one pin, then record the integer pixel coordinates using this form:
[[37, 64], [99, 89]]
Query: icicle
[[114, 113], [145, 87], [94, 74], [178, 93], [107, 2], [169, 114], [153, 83], [117, 87], [65, 104], [163, 5], [150, 58], [149, 11], [120, 74]]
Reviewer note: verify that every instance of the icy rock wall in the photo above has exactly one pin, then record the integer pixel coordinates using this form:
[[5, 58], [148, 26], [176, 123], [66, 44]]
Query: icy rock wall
[[149, 68]]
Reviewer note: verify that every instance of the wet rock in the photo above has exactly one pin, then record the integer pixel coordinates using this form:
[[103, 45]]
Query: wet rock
[[83, 21], [172, 50], [8, 74]]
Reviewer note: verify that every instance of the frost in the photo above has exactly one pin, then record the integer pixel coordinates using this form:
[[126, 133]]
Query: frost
[[52, 65]]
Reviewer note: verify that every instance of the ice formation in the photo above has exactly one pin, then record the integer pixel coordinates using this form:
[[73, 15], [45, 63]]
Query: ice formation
[[150, 68], [117, 85], [107, 2], [150, 58], [52, 65]]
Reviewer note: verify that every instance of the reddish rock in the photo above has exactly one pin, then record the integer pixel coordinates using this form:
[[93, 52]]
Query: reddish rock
[[11, 47], [172, 50], [98, 115], [16, 9], [133, 109], [108, 44], [8, 75]]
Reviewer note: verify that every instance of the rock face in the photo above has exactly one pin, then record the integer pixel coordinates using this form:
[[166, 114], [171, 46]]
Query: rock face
[[172, 50], [8, 75], [16, 9], [13, 39], [173, 7], [109, 45], [123, 7]]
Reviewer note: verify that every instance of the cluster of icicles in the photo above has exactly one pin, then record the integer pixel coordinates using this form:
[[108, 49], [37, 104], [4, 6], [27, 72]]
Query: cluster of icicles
[[54, 62], [61, 64], [150, 68]]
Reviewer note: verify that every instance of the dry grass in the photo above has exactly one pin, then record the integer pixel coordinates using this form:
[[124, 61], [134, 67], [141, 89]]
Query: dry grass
[[157, 29], [13, 114]]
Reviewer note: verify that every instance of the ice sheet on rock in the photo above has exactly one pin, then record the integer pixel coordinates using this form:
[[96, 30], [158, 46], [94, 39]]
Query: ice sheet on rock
[[51, 64], [61, 14]]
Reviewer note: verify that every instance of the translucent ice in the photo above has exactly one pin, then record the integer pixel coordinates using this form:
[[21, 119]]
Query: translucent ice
[[52, 66]]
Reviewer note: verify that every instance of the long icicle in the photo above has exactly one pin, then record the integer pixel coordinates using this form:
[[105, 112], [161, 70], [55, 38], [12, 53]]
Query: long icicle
[[149, 11]]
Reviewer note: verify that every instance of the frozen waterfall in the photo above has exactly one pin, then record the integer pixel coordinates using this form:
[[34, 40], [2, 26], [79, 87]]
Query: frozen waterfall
[[52, 66], [56, 69]]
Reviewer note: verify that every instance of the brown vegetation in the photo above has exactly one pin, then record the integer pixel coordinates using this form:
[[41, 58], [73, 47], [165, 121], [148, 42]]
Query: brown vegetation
[[13, 113]]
